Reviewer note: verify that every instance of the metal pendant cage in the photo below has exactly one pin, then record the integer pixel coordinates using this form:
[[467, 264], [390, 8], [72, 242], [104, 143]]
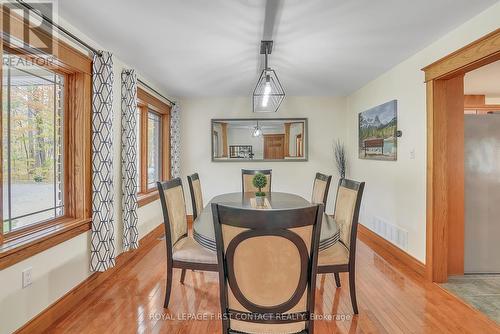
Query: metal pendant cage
[[268, 93]]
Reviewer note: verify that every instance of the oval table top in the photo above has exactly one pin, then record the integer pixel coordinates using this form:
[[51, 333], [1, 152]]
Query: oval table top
[[203, 227]]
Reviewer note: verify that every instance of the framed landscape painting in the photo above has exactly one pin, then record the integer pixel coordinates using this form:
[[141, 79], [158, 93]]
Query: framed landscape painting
[[377, 132]]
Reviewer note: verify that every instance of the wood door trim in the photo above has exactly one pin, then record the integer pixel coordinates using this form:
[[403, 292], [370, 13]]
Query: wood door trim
[[476, 54], [438, 77]]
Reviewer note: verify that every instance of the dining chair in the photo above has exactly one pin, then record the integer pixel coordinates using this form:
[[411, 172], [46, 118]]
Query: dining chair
[[267, 268], [196, 195], [183, 251], [247, 177], [321, 186], [341, 257]]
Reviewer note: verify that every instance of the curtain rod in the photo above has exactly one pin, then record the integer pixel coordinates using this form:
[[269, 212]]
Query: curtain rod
[[52, 23], [155, 91], [82, 43]]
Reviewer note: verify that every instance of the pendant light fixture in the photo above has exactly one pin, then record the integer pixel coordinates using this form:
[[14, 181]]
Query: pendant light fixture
[[268, 93], [257, 131]]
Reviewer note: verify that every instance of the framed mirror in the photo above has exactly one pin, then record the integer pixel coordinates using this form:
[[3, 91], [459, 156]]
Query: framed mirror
[[259, 139]]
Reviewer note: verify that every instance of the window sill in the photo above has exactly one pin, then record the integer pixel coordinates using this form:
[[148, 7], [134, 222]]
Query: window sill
[[143, 199], [23, 246]]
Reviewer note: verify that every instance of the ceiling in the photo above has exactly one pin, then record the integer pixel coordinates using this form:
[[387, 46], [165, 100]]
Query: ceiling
[[194, 48], [483, 81]]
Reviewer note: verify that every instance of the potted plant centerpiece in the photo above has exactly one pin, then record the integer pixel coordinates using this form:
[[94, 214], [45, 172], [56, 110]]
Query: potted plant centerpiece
[[259, 181]]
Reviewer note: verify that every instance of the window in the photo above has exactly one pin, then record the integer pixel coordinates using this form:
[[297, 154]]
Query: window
[[45, 126], [32, 168], [154, 149], [153, 145]]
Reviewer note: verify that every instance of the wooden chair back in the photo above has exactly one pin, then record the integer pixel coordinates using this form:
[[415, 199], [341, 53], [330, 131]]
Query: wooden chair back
[[247, 178], [196, 194], [267, 267], [321, 186], [174, 212], [347, 206]]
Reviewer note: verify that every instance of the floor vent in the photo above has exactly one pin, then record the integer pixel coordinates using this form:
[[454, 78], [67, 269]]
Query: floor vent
[[392, 233]]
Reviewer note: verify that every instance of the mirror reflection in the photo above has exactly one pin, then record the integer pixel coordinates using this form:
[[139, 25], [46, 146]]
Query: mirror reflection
[[259, 139]]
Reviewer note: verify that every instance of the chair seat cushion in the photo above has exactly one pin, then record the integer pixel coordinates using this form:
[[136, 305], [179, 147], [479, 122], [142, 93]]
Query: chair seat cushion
[[188, 250], [334, 255]]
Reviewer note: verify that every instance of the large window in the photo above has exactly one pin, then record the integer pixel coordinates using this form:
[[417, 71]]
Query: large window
[[45, 156], [32, 144], [153, 145]]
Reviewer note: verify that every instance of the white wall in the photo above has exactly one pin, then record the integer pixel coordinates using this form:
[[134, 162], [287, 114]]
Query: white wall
[[243, 136], [58, 269], [395, 191], [326, 124]]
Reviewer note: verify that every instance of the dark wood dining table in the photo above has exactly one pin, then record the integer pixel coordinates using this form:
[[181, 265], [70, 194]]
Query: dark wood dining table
[[203, 227]]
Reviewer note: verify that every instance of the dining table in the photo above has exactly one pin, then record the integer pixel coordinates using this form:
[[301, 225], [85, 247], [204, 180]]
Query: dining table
[[203, 226]]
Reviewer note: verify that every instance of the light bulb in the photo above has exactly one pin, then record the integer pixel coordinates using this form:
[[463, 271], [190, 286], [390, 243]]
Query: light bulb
[[267, 88], [256, 132], [267, 91]]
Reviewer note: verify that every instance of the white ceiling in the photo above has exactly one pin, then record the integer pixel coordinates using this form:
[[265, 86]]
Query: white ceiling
[[484, 81], [192, 48]]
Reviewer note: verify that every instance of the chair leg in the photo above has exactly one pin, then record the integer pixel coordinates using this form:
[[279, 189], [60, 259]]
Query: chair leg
[[183, 275], [168, 287], [352, 290], [337, 279]]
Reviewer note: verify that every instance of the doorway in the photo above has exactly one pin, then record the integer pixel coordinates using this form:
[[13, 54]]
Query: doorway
[[274, 146], [482, 170], [445, 154], [479, 285], [463, 175]]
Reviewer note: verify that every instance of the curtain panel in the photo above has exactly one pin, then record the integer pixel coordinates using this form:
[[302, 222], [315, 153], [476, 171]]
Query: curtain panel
[[129, 160], [102, 252], [175, 141]]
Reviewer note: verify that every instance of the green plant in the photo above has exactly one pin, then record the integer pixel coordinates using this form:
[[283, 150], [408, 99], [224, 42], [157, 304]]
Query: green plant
[[38, 178], [259, 181]]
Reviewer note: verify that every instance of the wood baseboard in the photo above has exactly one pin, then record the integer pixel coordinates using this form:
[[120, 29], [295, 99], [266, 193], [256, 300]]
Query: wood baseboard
[[389, 251], [65, 304]]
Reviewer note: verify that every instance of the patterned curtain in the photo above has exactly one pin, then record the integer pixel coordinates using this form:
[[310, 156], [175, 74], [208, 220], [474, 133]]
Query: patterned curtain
[[102, 252], [175, 139], [129, 160]]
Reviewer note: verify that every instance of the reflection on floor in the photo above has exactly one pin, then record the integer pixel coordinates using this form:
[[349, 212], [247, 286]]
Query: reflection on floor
[[480, 291]]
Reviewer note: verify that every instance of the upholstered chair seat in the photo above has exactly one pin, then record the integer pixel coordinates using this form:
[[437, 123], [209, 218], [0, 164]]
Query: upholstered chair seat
[[337, 254], [188, 250]]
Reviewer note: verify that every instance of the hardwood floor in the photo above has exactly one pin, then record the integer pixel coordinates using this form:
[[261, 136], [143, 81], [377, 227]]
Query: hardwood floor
[[391, 299]]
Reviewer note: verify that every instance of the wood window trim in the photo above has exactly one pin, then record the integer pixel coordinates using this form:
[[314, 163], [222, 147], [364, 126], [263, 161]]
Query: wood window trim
[[23, 247], [76, 67], [145, 103]]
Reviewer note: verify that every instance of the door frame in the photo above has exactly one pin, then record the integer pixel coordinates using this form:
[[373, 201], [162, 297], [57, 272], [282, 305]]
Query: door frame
[[445, 165]]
